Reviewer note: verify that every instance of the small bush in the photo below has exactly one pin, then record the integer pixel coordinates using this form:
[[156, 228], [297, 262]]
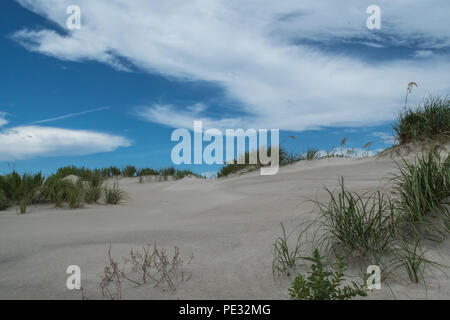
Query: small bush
[[324, 284], [149, 265], [114, 195], [429, 120]]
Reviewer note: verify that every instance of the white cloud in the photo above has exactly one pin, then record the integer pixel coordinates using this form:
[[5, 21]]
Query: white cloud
[[423, 53], [247, 48], [170, 116], [32, 141], [3, 120], [197, 108], [387, 138]]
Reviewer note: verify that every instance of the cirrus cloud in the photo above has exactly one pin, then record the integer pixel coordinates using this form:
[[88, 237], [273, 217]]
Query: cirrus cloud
[[259, 53]]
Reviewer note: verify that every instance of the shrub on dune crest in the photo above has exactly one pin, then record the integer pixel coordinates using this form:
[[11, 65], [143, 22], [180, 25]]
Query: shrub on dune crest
[[431, 119], [243, 161], [129, 171]]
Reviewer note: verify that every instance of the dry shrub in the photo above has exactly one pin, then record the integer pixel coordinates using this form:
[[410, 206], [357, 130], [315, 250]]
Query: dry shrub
[[150, 266]]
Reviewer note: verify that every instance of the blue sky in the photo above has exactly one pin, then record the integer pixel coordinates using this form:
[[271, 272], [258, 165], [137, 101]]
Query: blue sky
[[112, 92]]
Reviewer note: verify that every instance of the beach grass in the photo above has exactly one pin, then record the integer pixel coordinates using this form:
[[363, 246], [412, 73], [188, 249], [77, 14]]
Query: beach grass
[[429, 120]]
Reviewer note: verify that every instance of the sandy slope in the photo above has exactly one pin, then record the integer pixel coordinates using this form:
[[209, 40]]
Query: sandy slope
[[228, 225]]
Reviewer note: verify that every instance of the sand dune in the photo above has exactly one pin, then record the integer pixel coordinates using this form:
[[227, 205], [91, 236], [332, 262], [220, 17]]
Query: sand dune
[[228, 225]]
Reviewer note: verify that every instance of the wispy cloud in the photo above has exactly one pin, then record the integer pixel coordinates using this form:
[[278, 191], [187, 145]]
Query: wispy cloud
[[260, 60], [385, 137], [70, 115]]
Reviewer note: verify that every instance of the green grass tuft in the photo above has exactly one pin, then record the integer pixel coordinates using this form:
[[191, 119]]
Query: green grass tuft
[[422, 192], [113, 195], [429, 120], [364, 223]]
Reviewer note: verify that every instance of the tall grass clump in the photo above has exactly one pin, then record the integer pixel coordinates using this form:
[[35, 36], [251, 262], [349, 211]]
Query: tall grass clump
[[113, 195], [75, 194], [422, 190], [429, 120], [22, 190], [352, 222], [93, 191]]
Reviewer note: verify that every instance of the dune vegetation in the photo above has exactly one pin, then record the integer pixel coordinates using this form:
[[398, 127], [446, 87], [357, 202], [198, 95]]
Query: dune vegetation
[[392, 228], [428, 121], [73, 186]]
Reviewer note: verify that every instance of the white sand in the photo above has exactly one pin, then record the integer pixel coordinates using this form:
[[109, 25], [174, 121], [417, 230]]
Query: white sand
[[229, 226]]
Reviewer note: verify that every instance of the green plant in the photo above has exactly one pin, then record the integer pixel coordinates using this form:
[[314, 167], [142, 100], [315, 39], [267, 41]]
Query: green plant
[[285, 258], [114, 171], [75, 194], [311, 154], [129, 171], [114, 195], [365, 223], [422, 191], [21, 189], [93, 194], [3, 201], [324, 284], [147, 172], [413, 260], [431, 119], [243, 161], [93, 191]]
